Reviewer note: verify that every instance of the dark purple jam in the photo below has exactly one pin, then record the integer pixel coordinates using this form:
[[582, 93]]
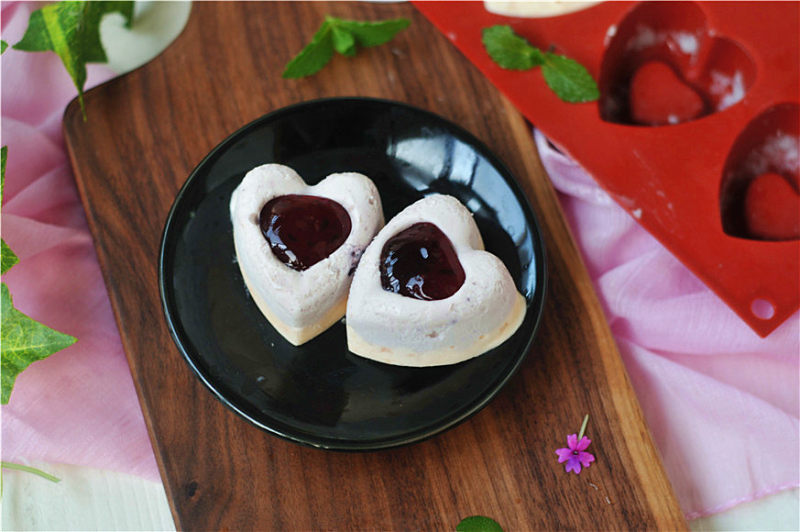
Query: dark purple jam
[[420, 262], [303, 230]]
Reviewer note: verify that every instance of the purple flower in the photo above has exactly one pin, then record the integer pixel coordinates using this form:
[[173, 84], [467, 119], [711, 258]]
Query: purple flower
[[575, 455]]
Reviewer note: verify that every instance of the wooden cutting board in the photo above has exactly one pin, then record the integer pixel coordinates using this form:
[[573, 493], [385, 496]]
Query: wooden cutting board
[[148, 129]]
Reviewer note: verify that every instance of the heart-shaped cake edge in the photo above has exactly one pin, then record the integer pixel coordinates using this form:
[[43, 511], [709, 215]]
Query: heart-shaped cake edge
[[394, 329], [301, 304]]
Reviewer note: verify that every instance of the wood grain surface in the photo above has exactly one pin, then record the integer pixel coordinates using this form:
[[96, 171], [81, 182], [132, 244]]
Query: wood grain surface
[[147, 130]]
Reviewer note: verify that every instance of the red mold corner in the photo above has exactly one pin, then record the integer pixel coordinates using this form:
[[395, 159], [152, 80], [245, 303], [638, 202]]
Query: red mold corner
[[695, 133]]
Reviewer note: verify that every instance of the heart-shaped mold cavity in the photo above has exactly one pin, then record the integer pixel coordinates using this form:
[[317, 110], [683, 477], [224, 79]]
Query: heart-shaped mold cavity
[[420, 262], [759, 192], [664, 65]]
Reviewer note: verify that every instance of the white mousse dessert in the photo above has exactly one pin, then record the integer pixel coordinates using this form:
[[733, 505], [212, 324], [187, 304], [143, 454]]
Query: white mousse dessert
[[397, 315], [522, 8], [298, 284]]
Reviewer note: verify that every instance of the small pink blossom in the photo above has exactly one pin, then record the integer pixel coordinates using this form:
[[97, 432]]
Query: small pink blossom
[[575, 454]]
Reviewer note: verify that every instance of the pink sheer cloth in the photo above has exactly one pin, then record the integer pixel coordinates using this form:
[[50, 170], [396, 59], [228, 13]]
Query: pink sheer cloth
[[721, 402], [78, 406]]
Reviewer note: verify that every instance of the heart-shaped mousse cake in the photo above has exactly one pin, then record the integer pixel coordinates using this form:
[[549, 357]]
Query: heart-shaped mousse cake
[[298, 246], [426, 293]]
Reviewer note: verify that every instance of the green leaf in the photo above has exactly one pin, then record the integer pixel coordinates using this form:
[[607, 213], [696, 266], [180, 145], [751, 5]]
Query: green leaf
[[509, 50], [373, 33], [569, 79], [3, 157], [343, 36], [343, 41], [123, 8], [478, 523], [22, 342], [71, 29], [566, 77], [3, 46], [314, 56], [36, 38], [8, 258]]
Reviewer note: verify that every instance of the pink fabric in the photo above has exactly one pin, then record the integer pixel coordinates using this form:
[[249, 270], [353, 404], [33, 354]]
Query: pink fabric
[[78, 406], [722, 403]]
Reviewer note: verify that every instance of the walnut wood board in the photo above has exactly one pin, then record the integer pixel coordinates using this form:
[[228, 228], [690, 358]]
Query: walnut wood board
[[147, 130]]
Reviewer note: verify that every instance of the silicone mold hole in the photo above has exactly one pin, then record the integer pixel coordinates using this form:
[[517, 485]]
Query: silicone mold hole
[[762, 309], [768, 145], [709, 73]]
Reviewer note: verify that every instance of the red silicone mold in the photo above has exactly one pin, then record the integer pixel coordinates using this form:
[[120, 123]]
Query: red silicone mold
[[695, 133]]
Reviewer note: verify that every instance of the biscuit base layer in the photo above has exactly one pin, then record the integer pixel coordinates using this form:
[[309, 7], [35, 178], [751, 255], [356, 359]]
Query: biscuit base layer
[[298, 335], [399, 356]]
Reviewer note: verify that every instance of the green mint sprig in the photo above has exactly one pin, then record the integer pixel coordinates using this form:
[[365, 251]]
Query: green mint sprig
[[567, 78], [343, 36], [478, 523], [3, 46], [22, 340], [71, 29]]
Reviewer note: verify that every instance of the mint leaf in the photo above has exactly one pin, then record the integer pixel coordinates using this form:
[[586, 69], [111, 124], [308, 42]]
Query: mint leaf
[[569, 79], [71, 29], [478, 523], [3, 46], [7, 258], [314, 56], [509, 50], [566, 77], [343, 41], [344, 36], [22, 342], [373, 33]]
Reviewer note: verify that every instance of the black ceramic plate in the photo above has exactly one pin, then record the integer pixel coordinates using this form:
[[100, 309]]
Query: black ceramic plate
[[320, 394]]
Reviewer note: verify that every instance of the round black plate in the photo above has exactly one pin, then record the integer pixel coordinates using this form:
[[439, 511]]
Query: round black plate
[[320, 394]]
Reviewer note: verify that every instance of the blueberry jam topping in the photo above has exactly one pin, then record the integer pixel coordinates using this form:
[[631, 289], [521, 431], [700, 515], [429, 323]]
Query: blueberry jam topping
[[303, 230], [420, 262]]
